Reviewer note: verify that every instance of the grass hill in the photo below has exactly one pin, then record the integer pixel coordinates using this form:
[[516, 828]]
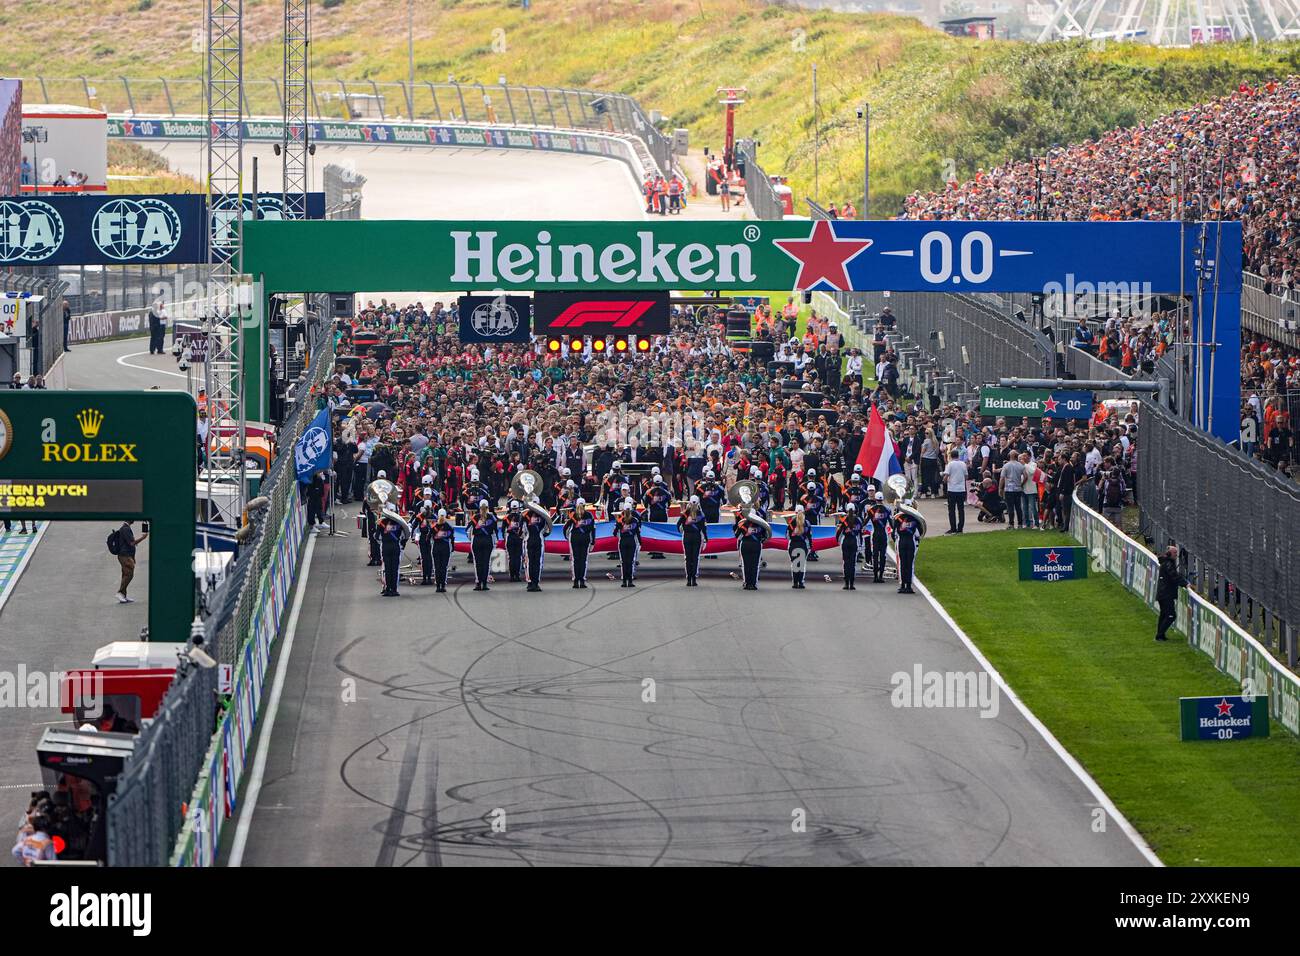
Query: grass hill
[[940, 105]]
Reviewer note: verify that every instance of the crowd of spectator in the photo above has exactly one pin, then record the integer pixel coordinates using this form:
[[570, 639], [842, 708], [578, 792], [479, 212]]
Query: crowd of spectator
[[1237, 157], [472, 415]]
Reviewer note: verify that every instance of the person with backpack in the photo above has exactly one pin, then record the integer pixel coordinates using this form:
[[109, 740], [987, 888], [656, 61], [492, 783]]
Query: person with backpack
[[122, 543], [1112, 496]]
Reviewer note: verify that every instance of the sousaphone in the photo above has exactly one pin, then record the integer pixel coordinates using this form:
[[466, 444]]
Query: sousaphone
[[381, 495], [743, 496], [524, 488], [901, 497]]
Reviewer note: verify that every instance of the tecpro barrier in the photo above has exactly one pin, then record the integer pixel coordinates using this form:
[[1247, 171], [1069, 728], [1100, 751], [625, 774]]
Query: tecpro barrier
[[1210, 631]]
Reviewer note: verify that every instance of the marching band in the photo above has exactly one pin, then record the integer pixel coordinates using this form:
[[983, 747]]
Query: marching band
[[864, 529]]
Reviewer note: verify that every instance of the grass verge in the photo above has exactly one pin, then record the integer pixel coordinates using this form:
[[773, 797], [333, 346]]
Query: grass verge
[[1081, 655]]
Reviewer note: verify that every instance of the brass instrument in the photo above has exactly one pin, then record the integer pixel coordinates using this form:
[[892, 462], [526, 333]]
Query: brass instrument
[[901, 497], [525, 488], [379, 498], [743, 496]]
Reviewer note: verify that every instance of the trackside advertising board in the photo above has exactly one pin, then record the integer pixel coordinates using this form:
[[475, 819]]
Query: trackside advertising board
[[1223, 718], [1053, 564]]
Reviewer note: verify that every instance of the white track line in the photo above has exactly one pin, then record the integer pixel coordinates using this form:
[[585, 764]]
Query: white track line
[[122, 360], [22, 565], [249, 806], [1066, 757]]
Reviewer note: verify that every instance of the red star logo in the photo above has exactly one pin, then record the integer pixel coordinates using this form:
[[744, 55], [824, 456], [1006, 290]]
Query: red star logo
[[822, 257], [1052, 556], [1224, 708], [366, 131], [128, 127], [1049, 404], [432, 134]]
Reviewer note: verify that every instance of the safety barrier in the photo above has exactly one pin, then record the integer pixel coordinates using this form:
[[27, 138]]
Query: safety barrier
[[144, 813], [759, 191], [1236, 516], [1267, 313], [623, 147], [214, 797], [245, 623], [44, 344], [337, 100], [1210, 631]]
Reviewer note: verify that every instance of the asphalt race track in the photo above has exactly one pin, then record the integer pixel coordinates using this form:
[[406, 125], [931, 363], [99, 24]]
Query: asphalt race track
[[510, 728]]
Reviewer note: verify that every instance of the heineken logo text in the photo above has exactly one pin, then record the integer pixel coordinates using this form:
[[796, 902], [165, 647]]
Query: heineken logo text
[[479, 261]]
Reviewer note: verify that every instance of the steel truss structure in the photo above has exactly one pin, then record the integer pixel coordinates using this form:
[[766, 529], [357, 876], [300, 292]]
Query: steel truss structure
[[223, 322], [1172, 22]]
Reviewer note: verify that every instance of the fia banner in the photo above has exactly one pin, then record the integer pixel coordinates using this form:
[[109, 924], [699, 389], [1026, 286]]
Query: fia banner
[[495, 318]]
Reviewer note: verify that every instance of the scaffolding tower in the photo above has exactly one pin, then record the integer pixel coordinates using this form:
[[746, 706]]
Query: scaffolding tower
[[294, 147], [222, 320]]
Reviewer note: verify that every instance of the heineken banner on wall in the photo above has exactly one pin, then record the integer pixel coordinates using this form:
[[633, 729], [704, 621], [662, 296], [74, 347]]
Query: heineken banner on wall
[[1034, 403]]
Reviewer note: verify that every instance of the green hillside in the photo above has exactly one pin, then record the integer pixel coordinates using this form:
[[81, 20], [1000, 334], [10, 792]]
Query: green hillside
[[939, 105]]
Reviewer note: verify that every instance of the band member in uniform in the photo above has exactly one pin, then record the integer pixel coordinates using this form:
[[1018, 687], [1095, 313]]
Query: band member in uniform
[[750, 534], [482, 539], [695, 533], [390, 534], [711, 497], [444, 538], [907, 535], [475, 491], [430, 491], [422, 522], [849, 534], [627, 532], [879, 518], [370, 528], [799, 544], [609, 488], [814, 503], [580, 529], [534, 547], [514, 534], [656, 499], [764, 491]]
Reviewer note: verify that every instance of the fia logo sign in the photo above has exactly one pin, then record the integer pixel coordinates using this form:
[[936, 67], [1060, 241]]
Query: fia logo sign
[[30, 230], [133, 229], [497, 317]]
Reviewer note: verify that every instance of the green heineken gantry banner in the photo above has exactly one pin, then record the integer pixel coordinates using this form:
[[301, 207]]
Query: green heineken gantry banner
[[1060, 259], [109, 457]]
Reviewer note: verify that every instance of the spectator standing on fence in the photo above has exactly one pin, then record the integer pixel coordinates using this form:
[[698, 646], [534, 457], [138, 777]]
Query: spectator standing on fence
[[1171, 579], [127, 542]]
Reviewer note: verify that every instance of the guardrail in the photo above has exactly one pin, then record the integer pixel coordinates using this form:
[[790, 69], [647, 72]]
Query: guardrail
[[613, 145], [44, 344], [368, 100], [761, 195], [1210, 631]]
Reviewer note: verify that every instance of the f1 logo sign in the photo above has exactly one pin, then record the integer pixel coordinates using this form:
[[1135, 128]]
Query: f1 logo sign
[[595, 313], [616, 313]]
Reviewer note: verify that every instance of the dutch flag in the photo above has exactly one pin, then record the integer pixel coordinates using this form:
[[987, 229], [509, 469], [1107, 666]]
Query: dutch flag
[[879, 456]]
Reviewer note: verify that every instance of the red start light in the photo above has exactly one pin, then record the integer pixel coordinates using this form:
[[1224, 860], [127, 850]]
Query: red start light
[[598, 345], [576, 344], [552, 345]]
